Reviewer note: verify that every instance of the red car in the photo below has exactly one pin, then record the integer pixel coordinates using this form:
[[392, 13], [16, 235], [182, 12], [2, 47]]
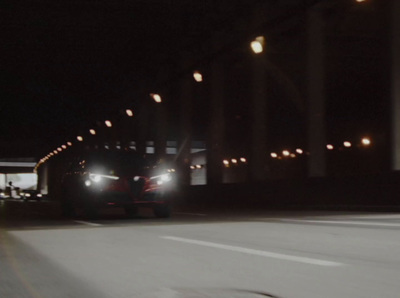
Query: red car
[[115, 179]]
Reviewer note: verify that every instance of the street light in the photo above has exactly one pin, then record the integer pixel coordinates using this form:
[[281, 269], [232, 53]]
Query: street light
[[92, 132], [64, 147], [198, 77], [257, 45], [285, 153], [129, 112], [108, 123], [69, 143], [329, 147], [347, 144], [366, 141], [156, 97], [79, 138]]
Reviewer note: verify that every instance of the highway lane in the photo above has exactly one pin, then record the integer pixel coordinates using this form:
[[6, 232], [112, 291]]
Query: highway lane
[[259, 254]]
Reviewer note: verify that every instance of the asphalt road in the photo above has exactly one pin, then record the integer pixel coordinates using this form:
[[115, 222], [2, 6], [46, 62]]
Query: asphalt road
[[246, 254]]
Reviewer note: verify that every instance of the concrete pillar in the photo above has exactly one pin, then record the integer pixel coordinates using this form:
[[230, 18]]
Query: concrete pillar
[[258, 160], [395, 84], [142, 130], [42, 184], [216, 128], [316, 93], [160, 140], [184, 144]]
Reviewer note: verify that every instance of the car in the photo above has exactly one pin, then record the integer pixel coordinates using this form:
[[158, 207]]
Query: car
[[31, 194], [105, 179]]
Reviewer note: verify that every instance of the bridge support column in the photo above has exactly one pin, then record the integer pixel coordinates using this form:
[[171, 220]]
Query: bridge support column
[[316, 93], [216, 125], [184, 158], [395, 84]]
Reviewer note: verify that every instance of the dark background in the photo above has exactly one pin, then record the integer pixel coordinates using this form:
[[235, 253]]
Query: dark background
[[67, 64]]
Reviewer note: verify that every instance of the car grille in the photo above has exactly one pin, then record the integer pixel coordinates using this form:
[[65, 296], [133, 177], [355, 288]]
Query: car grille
[[137, 186]]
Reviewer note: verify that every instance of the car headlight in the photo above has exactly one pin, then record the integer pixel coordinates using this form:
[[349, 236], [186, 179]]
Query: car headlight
[[98, 177], [161, 179]]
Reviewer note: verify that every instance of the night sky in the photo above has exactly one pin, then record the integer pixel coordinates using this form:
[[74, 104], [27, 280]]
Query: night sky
[[67, 64]]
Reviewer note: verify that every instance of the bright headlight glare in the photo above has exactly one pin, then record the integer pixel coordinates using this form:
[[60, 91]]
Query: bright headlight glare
[[162, 178], [98, 177]]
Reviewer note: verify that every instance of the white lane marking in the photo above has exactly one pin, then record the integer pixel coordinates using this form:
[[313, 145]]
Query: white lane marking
[[356, 223], [188, 213], [88, 223], [255, 252]]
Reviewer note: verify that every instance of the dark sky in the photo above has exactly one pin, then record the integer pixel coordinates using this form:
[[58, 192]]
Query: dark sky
[[66, 64]]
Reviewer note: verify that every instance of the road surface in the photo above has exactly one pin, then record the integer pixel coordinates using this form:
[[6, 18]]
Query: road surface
[[246, 254]]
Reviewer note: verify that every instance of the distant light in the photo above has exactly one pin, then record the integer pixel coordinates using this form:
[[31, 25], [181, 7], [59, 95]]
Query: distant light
[[242, 159], [274, 155], [329, 147], [299, 151], [79, 138], [173, 170], [156, 97], [198, 166], [69, 143], [366, 141], [129, 112], [192, 167], [108, 123], [359, 1], [92, 132], [285, 153], [347, 144], [64, 147], [234, 160], [226, 162], [51, 153], [197, 76], [292, 155], [55, 152], [257, 45], [59, 149]]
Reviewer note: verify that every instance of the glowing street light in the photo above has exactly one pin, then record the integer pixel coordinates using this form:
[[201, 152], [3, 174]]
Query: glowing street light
[[242, 159], [274, 155], [59, 149], [285, 153], [299, 151], [156, 97], [92, 132], [55, 152], [257, 45], [234, 160], [198, 77], [69, 143], [347, 144], [129, 112], [79, 138], [64, 147], [366, 141], [108, 123], [225, 162], [329, 147]]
